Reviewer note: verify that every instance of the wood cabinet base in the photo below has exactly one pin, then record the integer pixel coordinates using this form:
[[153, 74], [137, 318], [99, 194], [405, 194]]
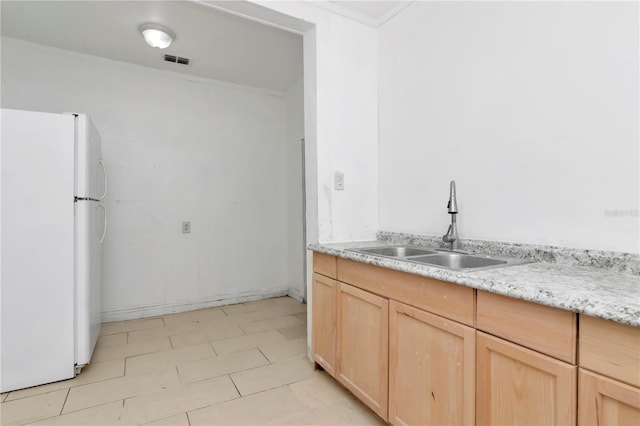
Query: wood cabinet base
[[362, 349], [607, 402], [520, 386], [431, 369], [323, 312]]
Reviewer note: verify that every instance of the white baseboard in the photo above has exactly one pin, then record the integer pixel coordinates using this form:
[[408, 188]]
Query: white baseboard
[[146, 311], [297, 294]]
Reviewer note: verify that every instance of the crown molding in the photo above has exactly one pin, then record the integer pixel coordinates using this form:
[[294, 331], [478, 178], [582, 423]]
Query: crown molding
[[334, 7]]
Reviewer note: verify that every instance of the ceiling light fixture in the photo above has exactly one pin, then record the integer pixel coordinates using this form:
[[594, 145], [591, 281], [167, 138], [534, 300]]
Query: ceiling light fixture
[[157, 35]]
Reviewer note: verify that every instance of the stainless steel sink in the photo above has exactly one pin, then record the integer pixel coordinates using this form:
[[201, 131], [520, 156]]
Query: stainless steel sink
[[459, 261], [396, 251], [441, 258]]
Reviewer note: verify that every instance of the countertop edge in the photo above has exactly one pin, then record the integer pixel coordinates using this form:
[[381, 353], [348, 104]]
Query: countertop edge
[[496, 281]]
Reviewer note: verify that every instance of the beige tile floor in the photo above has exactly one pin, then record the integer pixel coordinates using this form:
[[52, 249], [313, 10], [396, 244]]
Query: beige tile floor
[[242, 364]]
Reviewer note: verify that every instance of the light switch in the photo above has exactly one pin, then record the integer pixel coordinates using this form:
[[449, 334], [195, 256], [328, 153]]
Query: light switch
[[338, 179], [186, 227]]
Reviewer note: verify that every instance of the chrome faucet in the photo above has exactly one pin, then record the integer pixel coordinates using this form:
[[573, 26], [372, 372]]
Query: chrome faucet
[[452, 233]]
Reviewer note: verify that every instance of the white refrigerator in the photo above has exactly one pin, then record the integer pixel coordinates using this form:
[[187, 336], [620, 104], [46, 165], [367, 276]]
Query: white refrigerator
[[52, 225]]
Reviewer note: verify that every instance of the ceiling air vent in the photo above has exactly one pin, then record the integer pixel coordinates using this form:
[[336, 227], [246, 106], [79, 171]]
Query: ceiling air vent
[[176, 59]]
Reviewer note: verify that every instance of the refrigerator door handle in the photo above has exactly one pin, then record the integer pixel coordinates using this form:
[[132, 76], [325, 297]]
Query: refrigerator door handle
[[104, 230], [104, 173]]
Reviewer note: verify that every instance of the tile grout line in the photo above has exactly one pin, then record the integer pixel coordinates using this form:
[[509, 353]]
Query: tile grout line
[[65, 401], [74, 411], [265, 357], [69, 388], [213, 349], [175, 334], [233, 372], [278, 330], [235, 386], [240, 396], [91, 407], [35, 421], [172, 347], [127, 330], [124, 369]]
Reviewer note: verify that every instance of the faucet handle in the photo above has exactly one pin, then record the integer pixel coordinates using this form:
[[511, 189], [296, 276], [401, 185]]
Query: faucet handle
[[447, 237]]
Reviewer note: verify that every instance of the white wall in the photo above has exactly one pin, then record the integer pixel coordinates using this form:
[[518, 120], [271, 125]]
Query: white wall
[[341, 115], [532, 107], [176, 150], [340, 119], [295, 238]]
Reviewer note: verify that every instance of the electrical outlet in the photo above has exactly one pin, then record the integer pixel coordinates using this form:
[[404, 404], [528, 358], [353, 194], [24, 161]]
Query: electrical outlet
[[186, 227], [338, 179]]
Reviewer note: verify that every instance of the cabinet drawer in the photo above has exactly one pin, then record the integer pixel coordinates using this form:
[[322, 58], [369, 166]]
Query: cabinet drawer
[[451, 301], [324, 264], [610, 348], [544, 329]]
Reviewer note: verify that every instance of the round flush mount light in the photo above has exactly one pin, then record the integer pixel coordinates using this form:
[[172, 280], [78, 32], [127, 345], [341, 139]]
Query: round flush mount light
[[157, 35]]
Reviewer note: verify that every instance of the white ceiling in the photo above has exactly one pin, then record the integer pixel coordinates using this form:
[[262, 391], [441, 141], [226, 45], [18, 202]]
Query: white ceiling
[[220, 46]]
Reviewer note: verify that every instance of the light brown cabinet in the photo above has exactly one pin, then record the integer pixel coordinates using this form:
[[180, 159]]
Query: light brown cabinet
[[326, 265], [609, 379], [433, 357], [611, 349], [431, 369], [526, 356], [362, 349], [448, 300], [604, 401], [323, 315], [544, 329], [421, 351], [519, 386]]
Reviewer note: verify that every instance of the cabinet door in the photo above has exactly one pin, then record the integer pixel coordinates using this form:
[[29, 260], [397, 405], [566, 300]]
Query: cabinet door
[[604, 401], [516, 385], [323, 308], [431, 369], [363, 330]]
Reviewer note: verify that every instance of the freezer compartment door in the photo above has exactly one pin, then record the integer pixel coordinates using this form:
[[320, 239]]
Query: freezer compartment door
[[90, 222], [91, 175]]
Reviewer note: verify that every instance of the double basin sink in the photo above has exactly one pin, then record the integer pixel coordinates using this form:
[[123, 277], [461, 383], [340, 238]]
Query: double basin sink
[[457, 261]]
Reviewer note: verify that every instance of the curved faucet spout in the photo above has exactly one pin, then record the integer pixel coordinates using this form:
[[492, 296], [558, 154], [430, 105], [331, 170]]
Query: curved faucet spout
[[453, 202]]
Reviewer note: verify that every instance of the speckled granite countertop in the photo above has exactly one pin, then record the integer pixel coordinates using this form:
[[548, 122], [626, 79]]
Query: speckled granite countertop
[[596, 291]]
